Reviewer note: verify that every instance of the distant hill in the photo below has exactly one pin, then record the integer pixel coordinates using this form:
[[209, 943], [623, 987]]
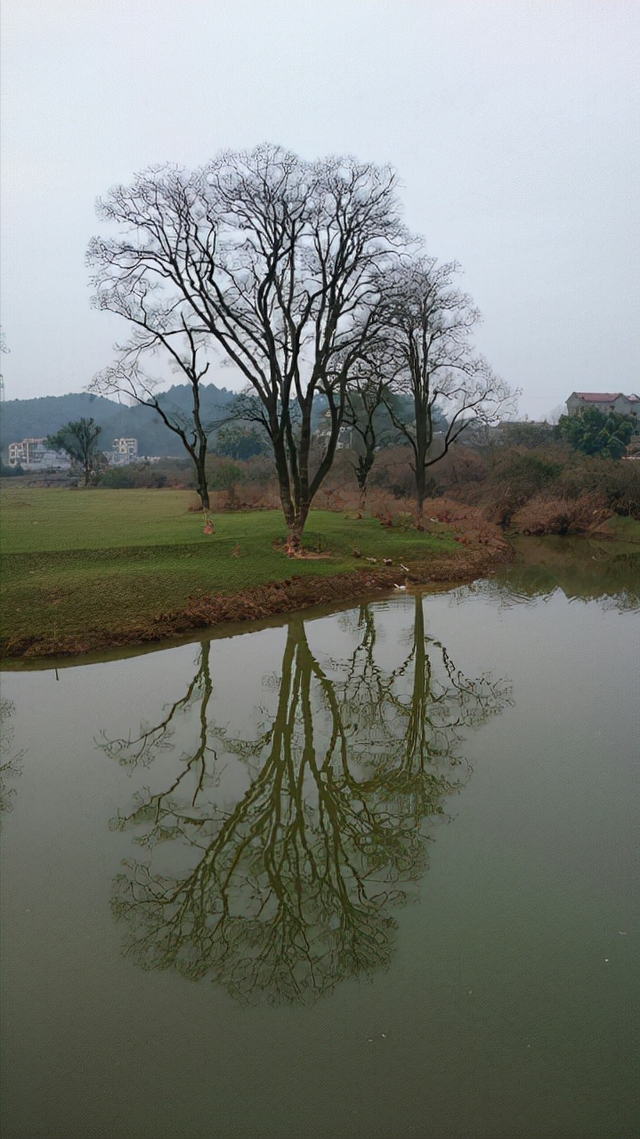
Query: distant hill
[[35, 418]]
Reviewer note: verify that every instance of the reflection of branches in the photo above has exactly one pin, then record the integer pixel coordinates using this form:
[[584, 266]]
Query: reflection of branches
[[423, 705], [10, 766], [286, 893], [143, 748], [197, 767]]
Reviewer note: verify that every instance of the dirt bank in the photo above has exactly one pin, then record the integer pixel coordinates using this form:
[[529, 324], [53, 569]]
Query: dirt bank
[[295, 593]]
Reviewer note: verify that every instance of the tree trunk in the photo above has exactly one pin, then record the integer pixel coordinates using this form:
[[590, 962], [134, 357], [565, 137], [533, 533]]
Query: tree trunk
[[362, 499], [423, 437], [421, 494], [295, 529], [201, 485]]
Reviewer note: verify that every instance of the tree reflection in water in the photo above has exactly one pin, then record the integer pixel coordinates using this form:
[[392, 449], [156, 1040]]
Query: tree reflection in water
[[289, 891], [10, 765]]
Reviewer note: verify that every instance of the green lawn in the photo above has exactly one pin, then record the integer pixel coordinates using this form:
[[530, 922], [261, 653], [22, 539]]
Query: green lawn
[[79, 562], [622, 529]]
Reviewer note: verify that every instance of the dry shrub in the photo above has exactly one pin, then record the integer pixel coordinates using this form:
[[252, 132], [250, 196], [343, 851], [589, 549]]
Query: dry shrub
[[546, 514], [461, 473], [392, 472], [615, 480], [336, 498], [248, 497]]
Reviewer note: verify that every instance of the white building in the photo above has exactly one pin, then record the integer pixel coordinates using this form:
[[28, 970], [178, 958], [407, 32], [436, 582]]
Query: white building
[[346, 436], [34, 455], [125, 446], [123, 451]]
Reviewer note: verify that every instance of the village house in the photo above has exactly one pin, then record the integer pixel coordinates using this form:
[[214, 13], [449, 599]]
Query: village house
[[603, 401]]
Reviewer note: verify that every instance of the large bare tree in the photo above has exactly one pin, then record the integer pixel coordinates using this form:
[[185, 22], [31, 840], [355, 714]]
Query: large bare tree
[[272, 260], [428, 324]]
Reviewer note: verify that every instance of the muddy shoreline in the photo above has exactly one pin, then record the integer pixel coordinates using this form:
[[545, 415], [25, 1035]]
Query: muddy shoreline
[[280, 597]]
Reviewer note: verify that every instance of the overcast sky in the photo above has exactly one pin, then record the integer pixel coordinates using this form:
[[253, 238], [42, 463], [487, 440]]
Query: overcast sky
[[513, 125]]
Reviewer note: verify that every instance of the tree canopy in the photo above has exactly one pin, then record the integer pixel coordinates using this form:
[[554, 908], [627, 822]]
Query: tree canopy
[[268, 258], [595, 432], [302, 276]]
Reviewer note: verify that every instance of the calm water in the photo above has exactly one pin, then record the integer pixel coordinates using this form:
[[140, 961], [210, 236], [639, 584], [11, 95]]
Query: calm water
[[371, 873]]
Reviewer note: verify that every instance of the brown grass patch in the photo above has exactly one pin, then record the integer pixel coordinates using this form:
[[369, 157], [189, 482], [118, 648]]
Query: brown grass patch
[[545, 514]]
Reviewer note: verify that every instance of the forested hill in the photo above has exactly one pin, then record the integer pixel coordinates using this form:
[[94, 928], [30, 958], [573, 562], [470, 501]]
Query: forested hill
[[36, 418]]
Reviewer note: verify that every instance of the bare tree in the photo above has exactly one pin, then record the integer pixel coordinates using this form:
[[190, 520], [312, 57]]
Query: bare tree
[[274, 261], [184, 353], [428, 324], [368, 398], [79, 441]]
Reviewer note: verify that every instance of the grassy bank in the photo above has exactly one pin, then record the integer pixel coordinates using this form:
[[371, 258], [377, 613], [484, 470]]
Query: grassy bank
[[88, 569]]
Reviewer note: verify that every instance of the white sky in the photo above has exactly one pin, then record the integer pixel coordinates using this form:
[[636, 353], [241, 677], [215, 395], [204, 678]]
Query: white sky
[[513, 124]]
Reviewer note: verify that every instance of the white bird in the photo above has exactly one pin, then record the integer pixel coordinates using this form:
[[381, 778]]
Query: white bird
[[401, 588]]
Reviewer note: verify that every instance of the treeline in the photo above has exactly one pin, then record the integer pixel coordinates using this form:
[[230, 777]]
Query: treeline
[[524, 480]]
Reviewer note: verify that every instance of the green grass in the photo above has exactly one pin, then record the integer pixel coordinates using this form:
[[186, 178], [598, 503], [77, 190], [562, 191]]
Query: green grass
[[77, 562], [35, 520], [623, 529]]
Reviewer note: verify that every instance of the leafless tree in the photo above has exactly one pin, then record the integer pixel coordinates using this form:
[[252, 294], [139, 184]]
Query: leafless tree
[[270, 259], [428, 323], [184, 353], [368, 397]]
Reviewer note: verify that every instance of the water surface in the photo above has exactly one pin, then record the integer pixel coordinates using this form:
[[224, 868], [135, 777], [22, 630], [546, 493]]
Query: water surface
[[371, 873]]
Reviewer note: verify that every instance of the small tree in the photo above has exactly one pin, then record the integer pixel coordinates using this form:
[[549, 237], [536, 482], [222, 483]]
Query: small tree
[[79, 440], [225, 474], [184, 352], [595, 432], [367, 416], [427, 324]]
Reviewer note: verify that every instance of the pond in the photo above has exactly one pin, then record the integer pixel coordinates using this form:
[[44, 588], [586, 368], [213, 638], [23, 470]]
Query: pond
[[367, 873]]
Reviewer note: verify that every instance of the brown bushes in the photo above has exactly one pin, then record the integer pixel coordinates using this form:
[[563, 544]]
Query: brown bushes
[[547, 514], [546, 488], [554, 490]]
